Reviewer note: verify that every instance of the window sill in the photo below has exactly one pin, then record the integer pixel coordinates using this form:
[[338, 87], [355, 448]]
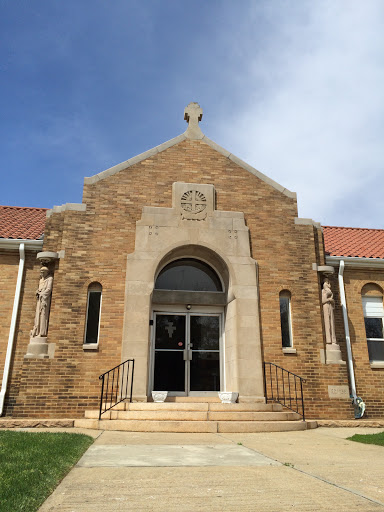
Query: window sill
[[90, 346], [376, 364], [289, 350]]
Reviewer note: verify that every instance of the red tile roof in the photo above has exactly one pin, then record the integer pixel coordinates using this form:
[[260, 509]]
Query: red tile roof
[[354, 242], [19, 222], [22, 222]]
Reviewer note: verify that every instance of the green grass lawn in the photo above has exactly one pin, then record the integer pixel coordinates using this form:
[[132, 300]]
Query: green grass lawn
[[369, 438], [33, 463]]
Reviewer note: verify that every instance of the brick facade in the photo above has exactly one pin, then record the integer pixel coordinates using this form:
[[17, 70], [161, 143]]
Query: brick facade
[[369, 381], [96, 244]]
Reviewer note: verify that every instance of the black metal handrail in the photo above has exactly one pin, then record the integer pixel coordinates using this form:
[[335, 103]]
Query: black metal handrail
[[116, 385], [284, 387]]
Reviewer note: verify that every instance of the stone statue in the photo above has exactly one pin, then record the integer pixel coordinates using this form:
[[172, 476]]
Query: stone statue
[[43, 296], [329, 317]]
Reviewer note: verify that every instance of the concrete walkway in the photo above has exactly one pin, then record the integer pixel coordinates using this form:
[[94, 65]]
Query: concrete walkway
[[314, 470]]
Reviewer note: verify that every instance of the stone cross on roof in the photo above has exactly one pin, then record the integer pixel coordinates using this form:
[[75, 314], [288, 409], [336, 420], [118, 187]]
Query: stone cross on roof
[[193, 113]]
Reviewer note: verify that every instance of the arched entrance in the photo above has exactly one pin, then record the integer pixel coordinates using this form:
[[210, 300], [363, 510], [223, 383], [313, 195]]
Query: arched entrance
[[219, 240], [187, 336]]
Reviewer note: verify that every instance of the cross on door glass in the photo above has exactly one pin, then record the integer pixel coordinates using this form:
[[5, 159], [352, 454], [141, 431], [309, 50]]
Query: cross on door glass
[[170, 332], [170, 328]]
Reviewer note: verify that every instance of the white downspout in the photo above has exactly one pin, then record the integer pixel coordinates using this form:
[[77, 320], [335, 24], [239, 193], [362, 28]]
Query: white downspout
[[346, 328], [357, 402], [11, 337]]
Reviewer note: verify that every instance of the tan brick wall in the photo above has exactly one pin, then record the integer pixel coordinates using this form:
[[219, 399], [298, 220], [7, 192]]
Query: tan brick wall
[[369, 381], [9, 264], [97, 242], [25, 318]]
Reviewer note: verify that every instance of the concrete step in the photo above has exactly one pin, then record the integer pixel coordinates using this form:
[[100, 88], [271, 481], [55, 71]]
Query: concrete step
[[197, 406], [193, 399], [245, 407], [148, 425], [205, 399], [260, 426], [167, 406], [192, 426], [253, 416], [180, 415], [151, 415]]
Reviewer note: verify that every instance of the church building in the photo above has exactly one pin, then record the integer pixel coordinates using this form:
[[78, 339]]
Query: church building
[[186, 271]]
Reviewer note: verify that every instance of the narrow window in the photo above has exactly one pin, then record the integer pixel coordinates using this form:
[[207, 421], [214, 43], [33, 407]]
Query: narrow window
[[93, 314], [373, 319], [285, 318]]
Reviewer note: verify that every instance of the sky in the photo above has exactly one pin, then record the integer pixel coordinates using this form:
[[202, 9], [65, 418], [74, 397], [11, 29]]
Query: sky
[[294, 88]]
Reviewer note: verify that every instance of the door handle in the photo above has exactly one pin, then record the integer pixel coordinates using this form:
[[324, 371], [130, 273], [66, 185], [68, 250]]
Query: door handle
[[187, 355]]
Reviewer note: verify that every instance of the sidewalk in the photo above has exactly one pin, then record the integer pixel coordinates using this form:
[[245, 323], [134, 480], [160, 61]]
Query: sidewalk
[[314, 470]]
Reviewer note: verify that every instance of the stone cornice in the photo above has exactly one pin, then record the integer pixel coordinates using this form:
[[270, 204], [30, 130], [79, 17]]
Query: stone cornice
[[75, 207]]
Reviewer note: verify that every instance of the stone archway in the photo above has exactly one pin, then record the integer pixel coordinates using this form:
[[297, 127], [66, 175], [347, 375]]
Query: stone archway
[[221, 239]]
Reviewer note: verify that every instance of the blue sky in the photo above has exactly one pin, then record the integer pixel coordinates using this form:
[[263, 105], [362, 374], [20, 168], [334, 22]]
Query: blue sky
[[293, 88]]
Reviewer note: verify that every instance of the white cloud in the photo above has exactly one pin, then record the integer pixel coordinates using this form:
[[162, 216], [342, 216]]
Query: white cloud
[[311, 114]]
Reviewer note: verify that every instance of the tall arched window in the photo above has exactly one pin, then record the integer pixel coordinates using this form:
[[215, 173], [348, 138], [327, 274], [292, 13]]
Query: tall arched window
[[372, 298], [92, 323], [188, 274], [285, 318]]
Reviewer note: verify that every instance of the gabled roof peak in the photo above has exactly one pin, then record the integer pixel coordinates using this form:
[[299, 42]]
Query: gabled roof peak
[[193, 114]]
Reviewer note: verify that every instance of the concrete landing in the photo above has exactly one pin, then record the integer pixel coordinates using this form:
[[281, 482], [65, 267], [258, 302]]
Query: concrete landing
[[172, 456]]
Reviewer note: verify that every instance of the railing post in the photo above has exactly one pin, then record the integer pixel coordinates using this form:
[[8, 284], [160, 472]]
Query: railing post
[[302, 398], [289, 390], [127, 379], [113, 382], [265, 384], [133, 367], [106, 393], [101, 395], [277, 385], [117, 383], [122, 383]]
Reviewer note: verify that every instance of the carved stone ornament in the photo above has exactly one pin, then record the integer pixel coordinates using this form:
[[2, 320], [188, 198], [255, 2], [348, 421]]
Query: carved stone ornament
[[193, 205], [193, 114]]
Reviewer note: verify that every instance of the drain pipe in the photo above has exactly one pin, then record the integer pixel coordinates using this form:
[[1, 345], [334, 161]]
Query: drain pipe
[[357, 402], [11, 338]]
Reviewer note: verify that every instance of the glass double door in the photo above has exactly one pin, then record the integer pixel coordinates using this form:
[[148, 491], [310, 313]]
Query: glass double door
[[186, 353]]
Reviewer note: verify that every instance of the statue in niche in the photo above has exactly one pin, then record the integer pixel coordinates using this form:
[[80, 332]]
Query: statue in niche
[[328, 311], [43, 296]]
